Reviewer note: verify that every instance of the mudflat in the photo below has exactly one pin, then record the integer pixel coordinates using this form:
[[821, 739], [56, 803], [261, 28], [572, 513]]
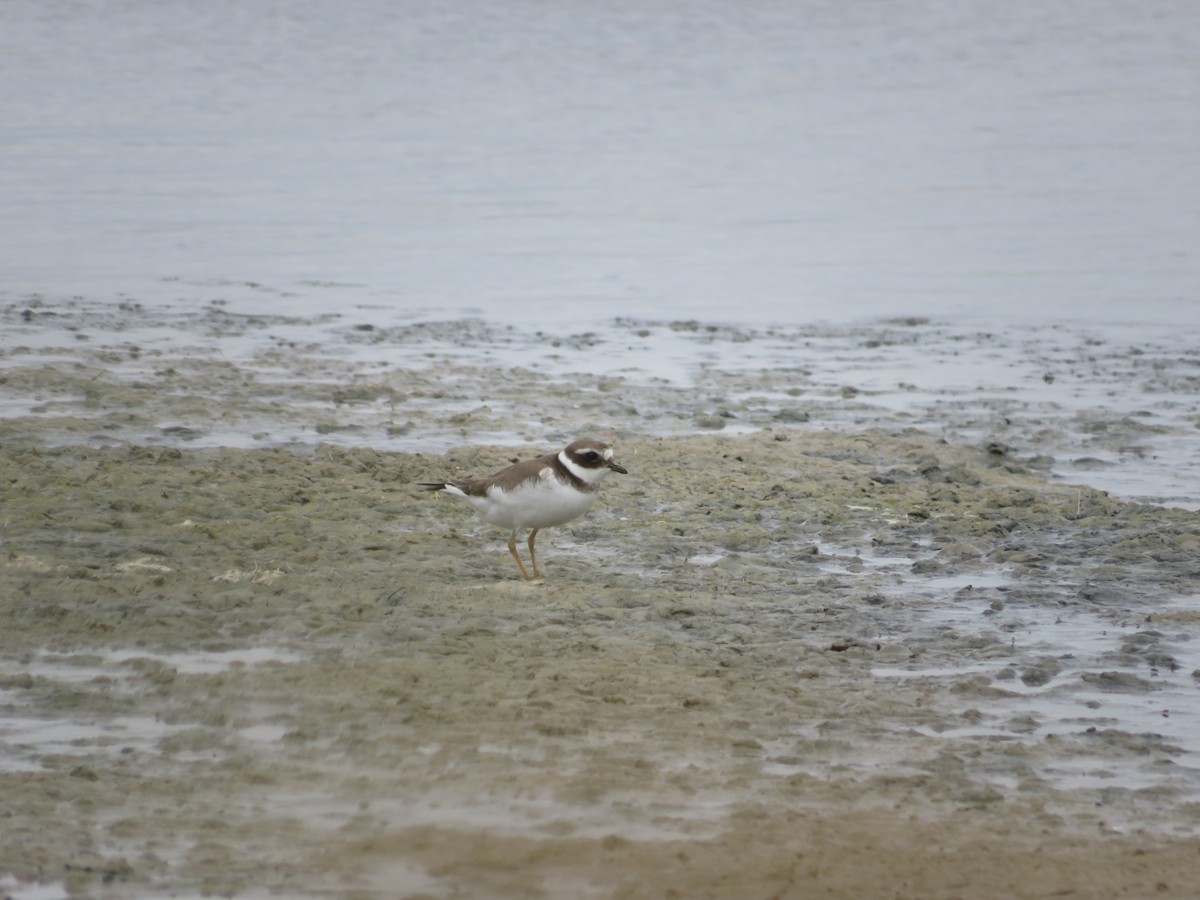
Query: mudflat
[[252, 671]]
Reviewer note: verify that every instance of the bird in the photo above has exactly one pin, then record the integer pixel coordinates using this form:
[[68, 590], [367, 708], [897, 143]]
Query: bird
[[538, 493]]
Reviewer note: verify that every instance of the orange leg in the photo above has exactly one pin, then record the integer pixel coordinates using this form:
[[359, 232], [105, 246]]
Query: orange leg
[[512, 548], [532, 555]]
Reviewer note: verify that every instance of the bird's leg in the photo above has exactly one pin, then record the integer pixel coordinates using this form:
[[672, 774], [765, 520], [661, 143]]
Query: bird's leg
[[532, 555], [512, 548]]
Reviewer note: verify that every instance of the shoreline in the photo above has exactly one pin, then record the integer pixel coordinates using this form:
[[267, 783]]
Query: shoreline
[[1106, 409]]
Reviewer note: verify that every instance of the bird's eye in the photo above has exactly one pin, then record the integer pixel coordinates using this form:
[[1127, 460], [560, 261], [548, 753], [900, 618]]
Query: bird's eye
[[591, 456]]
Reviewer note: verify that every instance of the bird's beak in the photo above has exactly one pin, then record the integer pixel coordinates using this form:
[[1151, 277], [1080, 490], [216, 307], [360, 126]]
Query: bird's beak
[[617, 467]]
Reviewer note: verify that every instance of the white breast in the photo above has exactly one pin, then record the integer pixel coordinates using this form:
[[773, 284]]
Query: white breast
[[535, 504]]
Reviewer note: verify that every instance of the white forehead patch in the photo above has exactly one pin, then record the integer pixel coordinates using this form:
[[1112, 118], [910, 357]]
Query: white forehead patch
[[608, 454]]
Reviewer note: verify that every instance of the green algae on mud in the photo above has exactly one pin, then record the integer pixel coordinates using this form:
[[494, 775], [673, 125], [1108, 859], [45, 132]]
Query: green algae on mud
[[693, 681]]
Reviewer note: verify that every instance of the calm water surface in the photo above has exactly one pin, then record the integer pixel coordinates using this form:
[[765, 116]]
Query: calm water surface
[[569, 162]]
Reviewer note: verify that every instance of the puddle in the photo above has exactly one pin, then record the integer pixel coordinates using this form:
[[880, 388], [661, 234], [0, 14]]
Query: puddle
[[1094, 686], [15, 890], [25, 741], [106, 676], [210, 663]]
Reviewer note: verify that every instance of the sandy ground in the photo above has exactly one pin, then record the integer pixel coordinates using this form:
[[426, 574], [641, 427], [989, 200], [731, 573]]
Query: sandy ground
[[263, 672]]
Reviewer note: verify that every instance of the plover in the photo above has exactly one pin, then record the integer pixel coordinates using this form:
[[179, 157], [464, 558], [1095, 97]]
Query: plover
[[537, 494]]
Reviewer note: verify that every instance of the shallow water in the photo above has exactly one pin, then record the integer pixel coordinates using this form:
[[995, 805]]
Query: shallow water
[[564, 164]]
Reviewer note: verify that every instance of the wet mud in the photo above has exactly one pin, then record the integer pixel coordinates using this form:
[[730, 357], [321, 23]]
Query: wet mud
[[859, 621], [791, 662]]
